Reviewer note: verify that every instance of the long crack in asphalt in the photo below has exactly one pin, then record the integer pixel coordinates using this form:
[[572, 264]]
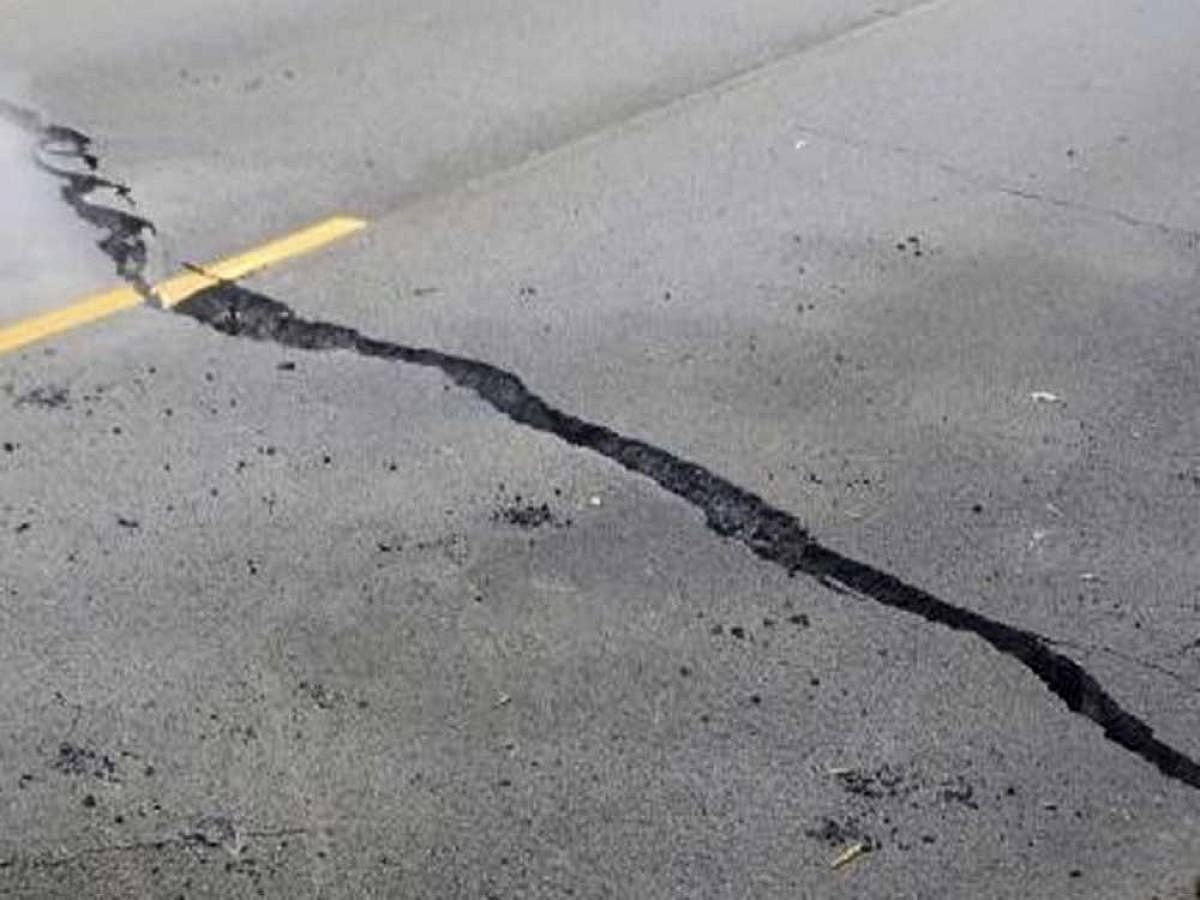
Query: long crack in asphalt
[[732, 512]]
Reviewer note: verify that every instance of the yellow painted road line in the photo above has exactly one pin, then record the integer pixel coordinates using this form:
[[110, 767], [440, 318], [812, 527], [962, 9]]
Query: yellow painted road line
[[179, 287], [35, 328]]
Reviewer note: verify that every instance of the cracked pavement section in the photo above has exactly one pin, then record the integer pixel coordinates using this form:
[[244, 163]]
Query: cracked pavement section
[[287, 623], [730, 511]]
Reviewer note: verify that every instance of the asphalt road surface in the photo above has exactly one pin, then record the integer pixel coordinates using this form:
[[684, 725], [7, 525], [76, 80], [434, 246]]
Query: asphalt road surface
[[752, 451]]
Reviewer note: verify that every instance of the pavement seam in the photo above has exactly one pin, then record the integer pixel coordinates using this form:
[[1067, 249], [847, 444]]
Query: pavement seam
[[993, 184], [645, 114]]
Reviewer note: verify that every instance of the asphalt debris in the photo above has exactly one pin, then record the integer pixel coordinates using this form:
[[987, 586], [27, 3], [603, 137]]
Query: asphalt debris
[[45, 397], [882, 782], [838, 833], [527, 514], [74, 760]]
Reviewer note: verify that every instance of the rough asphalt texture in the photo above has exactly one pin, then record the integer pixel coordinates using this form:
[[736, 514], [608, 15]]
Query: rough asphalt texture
[[287, 623]]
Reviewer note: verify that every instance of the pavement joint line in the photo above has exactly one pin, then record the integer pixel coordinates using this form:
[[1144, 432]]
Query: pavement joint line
[[179, 287]]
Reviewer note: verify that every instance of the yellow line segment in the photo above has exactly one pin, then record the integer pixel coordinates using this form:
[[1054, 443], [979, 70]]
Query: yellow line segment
[[179, 287]]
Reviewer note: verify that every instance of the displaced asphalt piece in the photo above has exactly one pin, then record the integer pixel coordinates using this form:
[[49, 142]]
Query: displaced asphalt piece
[[730, 511], [67, 154]]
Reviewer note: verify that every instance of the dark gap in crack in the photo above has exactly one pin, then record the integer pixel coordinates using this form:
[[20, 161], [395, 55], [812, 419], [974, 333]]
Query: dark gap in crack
[[66, 154], [730, 511]]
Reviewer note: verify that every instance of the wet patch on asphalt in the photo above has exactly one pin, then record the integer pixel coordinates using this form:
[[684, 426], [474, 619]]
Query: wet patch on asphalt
[[731, 511]]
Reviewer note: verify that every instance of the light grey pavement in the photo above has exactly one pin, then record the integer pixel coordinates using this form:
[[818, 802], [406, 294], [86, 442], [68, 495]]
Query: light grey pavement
[[283, 624], [237, 119]]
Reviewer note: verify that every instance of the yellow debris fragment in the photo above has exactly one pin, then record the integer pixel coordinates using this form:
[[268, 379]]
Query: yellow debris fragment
[[849, 855]]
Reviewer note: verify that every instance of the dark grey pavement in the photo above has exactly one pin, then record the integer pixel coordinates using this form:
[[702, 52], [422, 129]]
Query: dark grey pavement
[[285, 623]]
